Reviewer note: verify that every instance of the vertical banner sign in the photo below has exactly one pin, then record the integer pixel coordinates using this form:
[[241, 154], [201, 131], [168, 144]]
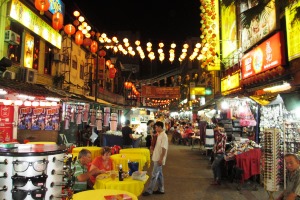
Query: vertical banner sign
[[228, 29], [292, 31], [6, 123], [25, 115], [106, 116]]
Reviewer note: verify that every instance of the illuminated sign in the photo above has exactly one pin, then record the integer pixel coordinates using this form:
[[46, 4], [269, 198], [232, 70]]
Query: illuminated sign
[[57, 6], [292, 31], [197, 91], [160, 92], [30, 20], [265, 56], [255, 27], [216, 64], [28, 50], [229, 32], [230, 82]]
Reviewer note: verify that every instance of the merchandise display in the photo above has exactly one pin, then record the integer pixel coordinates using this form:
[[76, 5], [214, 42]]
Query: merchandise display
[[35, 172]]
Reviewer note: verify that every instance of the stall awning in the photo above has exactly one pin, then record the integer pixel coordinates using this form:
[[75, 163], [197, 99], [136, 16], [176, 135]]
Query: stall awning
[[25, 88], [100, 101]]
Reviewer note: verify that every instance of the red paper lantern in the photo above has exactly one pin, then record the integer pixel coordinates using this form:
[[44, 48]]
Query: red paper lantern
[[112, 72], [57, 21], [79, 37], [87, 42], [42, 5], [102, 53], [76, 22], [69, 29], [94, 46]]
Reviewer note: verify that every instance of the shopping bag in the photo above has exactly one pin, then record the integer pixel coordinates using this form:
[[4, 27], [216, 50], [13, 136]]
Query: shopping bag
[[133, 167]]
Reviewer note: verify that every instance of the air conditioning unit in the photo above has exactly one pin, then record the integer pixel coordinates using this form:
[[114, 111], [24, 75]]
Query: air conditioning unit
[[31, 75], [9, 75], [58, 57], [12, 37]]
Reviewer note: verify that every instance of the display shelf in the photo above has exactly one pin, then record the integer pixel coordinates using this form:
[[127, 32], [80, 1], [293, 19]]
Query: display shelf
[[27, 169]]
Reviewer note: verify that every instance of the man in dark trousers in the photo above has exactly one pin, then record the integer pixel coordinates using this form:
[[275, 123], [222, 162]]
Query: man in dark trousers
[[219, 152], [127, 135]]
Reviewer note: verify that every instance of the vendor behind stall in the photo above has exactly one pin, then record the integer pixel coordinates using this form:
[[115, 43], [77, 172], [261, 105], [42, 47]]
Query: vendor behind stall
[[127, 135]]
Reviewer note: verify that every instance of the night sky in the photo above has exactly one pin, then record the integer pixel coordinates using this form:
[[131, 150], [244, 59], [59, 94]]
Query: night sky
[[156, 20]]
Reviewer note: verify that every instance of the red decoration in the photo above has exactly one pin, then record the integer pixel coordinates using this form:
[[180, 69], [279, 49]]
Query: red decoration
[[102, 53], [76, 22], [69, 29], [57, 21], [42, 5], [79, 37], [112, 72], [87, 42], [94, 46]]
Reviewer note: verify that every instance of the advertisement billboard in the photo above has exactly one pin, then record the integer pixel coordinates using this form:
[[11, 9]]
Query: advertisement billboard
[[228, 29], [292, 31], [265, 56], [6, 123], [255, 27]]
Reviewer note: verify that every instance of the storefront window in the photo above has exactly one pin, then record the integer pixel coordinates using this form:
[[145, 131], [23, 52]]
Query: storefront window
[[81, 72], [14, 51], [48, 58]]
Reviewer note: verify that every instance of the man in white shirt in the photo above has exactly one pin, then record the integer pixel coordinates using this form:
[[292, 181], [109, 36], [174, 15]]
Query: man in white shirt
[[159, 159]]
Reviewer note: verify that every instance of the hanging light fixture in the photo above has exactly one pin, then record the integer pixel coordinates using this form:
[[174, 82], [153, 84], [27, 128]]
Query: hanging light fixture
[[42, 5], [57, 21], [78, 37], [69, 29]]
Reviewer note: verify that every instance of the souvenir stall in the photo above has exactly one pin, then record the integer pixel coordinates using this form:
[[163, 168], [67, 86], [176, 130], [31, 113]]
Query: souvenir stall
[[239, 116], [76, 115], [113, 136], [279, 134]]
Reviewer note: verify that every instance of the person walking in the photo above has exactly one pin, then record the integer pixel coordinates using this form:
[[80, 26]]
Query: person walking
[[219, 152], [159, 159]]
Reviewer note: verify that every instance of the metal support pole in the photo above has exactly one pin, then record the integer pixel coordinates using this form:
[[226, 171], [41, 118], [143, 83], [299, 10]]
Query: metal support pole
[[96, 78]]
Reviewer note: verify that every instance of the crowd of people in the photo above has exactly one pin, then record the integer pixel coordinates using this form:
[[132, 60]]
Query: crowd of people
[[86, 169]]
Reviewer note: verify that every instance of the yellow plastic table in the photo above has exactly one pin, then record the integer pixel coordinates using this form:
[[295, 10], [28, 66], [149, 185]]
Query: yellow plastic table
[[136, 187], [95, 151], [141, 151], [124, 158], [101, 194]]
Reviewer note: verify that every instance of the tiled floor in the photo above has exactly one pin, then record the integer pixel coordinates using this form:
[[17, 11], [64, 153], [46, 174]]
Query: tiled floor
[[188, 176]]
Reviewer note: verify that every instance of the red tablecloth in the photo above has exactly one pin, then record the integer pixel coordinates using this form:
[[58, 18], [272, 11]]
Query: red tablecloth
[[250, 162]]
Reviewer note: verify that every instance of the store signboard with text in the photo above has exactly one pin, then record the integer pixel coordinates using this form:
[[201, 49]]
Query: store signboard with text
[[265, 56], [33, 22], [292, 31], [6, 123], [230, 82], [160, 92]]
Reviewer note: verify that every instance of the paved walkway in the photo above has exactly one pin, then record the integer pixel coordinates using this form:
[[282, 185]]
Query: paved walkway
[[188, 176]]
